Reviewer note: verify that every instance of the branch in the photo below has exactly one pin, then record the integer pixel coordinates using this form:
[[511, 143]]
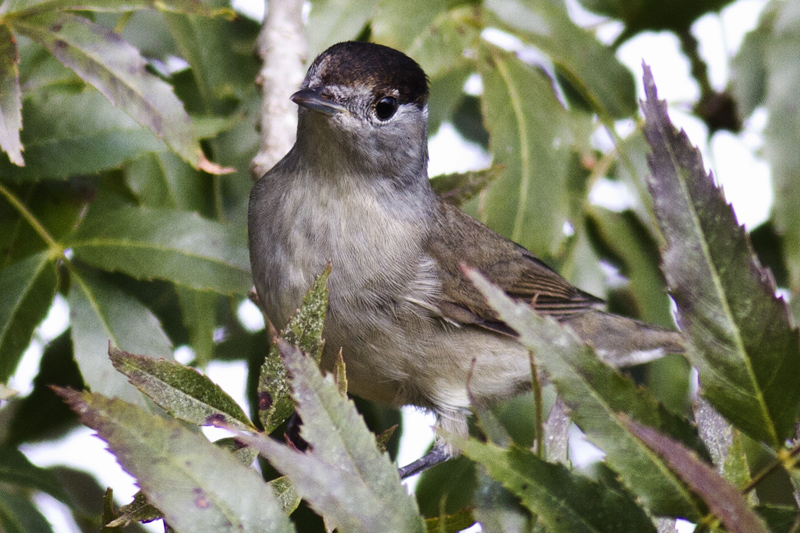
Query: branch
[[282, 48]]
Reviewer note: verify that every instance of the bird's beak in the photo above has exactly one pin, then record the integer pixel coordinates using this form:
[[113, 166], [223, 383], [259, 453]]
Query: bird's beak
[[313, 99]]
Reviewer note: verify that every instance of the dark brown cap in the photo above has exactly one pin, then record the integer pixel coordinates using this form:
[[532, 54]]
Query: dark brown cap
[[373, 65]]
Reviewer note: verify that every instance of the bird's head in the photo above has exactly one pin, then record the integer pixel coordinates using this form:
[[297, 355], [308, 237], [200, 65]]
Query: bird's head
[[365, 105]]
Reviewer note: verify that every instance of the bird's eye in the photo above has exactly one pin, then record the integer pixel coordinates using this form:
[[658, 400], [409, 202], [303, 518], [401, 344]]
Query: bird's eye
[[386, 107]]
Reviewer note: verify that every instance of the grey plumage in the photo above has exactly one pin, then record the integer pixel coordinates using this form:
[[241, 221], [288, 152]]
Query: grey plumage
[[354, 191]]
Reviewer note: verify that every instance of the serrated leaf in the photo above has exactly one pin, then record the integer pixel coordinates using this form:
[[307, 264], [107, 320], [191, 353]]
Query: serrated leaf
[[141, 510], [529, 135], [101, 313], [27, 289], [76, 133], [722, 498], [18, 515], [180, 390], [461, 187], [589, 66], [288, 498], [342, 453], [595, 393], [164, 244], [304, 330], [562, 500], [10, 97], [197, 486], [740, 335], [103, 59]]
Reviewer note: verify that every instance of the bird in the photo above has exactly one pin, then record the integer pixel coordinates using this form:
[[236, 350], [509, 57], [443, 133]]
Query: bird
[[354, 192]]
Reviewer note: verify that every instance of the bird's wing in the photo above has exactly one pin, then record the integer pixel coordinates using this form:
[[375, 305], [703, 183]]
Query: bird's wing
[[462, 240]]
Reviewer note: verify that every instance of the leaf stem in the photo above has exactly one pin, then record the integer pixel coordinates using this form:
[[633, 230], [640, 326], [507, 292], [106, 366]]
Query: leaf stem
[[785, 458], [55, 248]]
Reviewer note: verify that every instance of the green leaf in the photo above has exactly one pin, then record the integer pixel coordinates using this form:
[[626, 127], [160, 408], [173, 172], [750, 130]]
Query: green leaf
[[115, 68], [447, 42], [16, 469], [400, 24], [101, 314], [334, 21], [288, 498], [180, 390], [782, 133], [749, 72], [163, 244], [27, 289], [41, 414], [590, 67], [76, 133], [163, 180], [676, 15], [19, 8], [18, 515], [342, 453], [198, 309], [530, 136], [197, 486], [461, 187], [722, 498], [637, 253], [740, 335], [780, 518], [206, 45], [452, 523], [10, 97], [595, 393], [304, 330], [562, 500]]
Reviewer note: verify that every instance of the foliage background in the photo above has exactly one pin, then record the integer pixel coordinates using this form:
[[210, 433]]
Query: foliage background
[[117, 211]]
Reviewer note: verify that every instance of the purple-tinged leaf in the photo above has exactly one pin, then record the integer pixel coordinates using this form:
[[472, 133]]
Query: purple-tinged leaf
[[722, 498]]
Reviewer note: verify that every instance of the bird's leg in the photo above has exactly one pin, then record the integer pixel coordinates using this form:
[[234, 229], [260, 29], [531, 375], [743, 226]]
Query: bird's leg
[[439, 454], [452, 422]]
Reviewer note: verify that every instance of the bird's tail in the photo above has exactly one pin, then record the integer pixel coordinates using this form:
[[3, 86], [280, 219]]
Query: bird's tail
[[622, 341]]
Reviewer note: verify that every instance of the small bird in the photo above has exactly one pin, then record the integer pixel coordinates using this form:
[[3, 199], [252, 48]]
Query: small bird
[[354, 191]]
